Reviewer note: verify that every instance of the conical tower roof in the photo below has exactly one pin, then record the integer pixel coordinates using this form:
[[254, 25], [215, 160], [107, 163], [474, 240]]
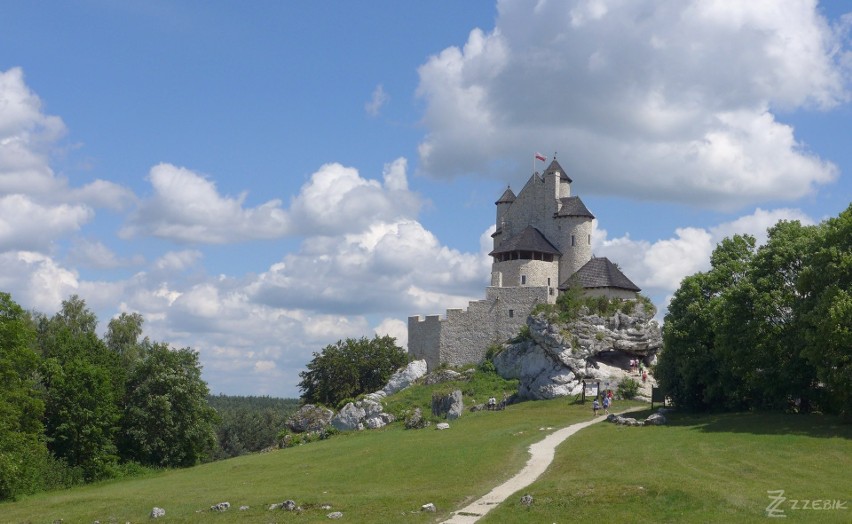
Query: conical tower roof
[[554, 167], [600, 272], [507, 197]]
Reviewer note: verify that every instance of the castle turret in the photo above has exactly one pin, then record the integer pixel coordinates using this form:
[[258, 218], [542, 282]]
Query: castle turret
[[575, 235], [503, 204], [558, 180]]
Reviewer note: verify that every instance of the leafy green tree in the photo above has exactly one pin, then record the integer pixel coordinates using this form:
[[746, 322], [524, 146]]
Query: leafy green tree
[[825, 309], [123, 334], [22, 446], [84, 384], [82, 415], [767, 329], [759, 341], [167, 420], [349, 368], [688, 369]]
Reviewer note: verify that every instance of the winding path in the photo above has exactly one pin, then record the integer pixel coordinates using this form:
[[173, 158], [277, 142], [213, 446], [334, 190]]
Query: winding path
[[541, 455]]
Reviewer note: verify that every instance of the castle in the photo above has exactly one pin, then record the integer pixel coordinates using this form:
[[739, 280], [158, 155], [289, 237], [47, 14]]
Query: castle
[[542, 245]]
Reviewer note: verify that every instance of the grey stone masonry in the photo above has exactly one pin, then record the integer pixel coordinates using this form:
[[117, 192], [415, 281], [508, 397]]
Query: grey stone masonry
[[543, 236]]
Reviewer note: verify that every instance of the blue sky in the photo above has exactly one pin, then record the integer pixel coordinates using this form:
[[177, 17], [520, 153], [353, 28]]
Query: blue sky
[[262, 179]]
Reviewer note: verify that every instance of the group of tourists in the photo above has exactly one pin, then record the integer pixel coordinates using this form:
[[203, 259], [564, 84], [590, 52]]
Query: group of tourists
[[638, 367], [607, 402]]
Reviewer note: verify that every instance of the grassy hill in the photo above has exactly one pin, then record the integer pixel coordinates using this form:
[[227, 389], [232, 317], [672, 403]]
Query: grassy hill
[[697, 469]]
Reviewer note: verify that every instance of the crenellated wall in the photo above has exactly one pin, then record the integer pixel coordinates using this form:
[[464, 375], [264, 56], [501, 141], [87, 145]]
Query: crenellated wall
[[463, 336]]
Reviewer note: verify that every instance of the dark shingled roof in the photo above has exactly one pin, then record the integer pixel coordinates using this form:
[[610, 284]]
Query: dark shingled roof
[[573, 207], [530, 239], [507, 197], [555, 167], [600, 272]]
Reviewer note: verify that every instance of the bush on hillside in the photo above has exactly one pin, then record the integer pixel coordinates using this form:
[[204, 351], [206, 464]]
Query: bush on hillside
[[350, 368], [627, 389]]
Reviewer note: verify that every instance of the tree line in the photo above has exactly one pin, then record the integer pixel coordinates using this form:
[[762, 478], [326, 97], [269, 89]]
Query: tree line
[[75, 407], [766, 327], [248, 424]]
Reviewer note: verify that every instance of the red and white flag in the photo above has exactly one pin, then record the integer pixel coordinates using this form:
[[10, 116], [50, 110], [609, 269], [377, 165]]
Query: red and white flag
[[539, 156]]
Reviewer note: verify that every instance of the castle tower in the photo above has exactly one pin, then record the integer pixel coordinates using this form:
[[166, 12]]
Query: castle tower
[[503, 204], [542, 244]]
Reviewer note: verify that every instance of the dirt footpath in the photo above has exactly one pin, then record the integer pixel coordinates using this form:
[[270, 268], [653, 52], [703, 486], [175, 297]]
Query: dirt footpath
[[541, 455]]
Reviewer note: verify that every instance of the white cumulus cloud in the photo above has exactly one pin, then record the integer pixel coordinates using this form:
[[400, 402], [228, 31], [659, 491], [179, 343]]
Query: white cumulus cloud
[[671, 101], [659, 266]]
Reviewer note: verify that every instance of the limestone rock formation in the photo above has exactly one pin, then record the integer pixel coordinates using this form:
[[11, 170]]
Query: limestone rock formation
[[309, 418], [415, 420], [405, 377], [365, 413], [448, 405], [556, 358]]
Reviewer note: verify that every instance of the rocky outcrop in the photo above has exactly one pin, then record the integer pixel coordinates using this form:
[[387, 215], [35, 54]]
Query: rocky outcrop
[[368, 412], [654, 419], [365, 413], [405, 377], [309, 418], [555, 358], [448, 405], [415, 420]]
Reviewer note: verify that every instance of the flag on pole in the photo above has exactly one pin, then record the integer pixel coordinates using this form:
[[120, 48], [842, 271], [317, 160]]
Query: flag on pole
[[539, 156]]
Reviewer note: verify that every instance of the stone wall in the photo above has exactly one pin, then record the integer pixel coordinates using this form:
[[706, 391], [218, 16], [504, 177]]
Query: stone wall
[[424, 339], [463, 336], [537, 273]]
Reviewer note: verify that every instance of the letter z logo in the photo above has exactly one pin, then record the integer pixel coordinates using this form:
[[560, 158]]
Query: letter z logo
[[777, 498]]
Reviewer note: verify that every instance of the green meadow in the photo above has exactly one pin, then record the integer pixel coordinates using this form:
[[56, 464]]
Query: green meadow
[[710, 468]]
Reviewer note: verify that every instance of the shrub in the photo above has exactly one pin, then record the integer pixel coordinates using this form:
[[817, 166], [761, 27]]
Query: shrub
[[523, 334], [487, 366], [493, 350], [628, 389], [350, 368]]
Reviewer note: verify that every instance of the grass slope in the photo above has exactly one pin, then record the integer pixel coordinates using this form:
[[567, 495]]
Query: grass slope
[[709, 468], [371, 476], [698, 469]]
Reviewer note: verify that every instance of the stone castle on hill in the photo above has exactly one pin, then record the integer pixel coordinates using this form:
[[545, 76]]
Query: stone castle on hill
[[542, 245]]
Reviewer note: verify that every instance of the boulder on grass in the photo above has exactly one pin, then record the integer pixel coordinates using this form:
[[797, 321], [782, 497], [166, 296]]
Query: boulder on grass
[[309, 418]]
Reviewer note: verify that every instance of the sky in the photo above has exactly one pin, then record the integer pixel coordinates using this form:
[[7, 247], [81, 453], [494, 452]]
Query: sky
[[261, 179]]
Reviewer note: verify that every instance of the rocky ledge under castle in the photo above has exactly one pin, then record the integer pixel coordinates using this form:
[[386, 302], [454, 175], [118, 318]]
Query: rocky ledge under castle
[[555, 358]]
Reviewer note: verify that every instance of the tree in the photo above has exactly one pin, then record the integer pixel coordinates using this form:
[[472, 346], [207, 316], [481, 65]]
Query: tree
[[167, 420], [82, 415], [123, 334], [769, 329], [22, 446], [759, 341], [688, 369], [84, 383], [349, 368], [825, 309]]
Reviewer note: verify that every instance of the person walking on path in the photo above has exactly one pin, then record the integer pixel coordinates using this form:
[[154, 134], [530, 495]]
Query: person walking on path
[[606, 404], [596, 406]]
